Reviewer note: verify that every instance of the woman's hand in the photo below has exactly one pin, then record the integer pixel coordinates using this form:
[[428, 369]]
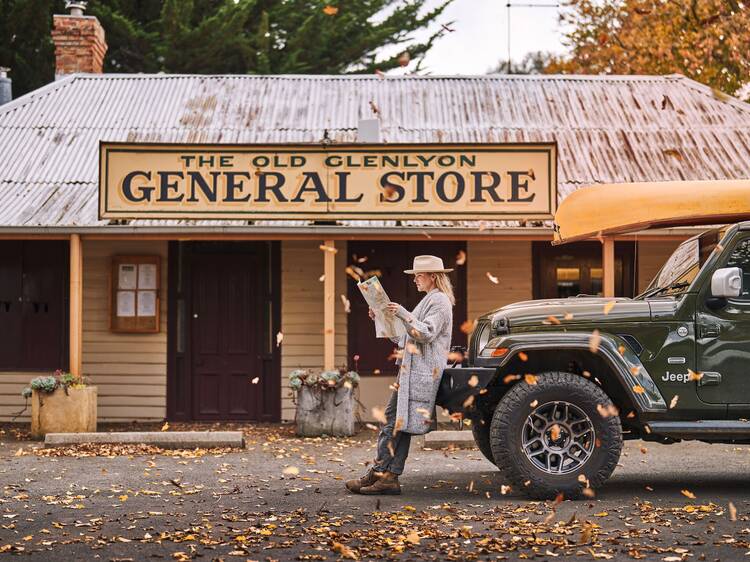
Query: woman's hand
[[392, 307], [371, 314]]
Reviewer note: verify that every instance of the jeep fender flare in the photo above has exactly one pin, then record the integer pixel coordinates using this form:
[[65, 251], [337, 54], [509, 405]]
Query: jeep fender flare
[[622, 364]]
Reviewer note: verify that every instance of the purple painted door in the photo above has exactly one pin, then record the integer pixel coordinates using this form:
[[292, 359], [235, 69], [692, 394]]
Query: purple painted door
[[226, 325]]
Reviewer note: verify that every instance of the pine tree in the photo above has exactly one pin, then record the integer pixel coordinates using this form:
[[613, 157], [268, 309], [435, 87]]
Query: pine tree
[[228, 36]]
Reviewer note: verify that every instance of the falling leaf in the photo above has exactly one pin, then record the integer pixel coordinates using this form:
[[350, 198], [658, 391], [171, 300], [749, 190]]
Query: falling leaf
[[473, 381], [413, 538], [504, 489], [554, 432], [378, 414], [256, 380], [587, 532], [732, 512], [347, 304], [374, 107], [692, 376], [379, 73], [492, 278], [468, 326], [644, 450], [688, 494], [607, 411], [552, 320], [510, 378], [344, 551], [568, 316], [291, 471], [123, 498], [413, 349], [609, 306], [635, 371], [638, 389], [594, 341], [330, 10], [404, 58], [468, 402], [673, 152], [328, 248], [279, 338], [529, 379], [455, 357], [351, 272], [673, 402], [621, 349], [461, 257], [165, 427], [322, 278], [372, 427], [534, 404], [522, 356]]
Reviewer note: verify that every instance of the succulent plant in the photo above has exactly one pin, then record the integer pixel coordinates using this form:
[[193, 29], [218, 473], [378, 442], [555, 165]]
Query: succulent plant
[[44, 384]]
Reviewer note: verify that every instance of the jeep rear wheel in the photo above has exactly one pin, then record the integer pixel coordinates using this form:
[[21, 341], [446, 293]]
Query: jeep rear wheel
[[549, 438]]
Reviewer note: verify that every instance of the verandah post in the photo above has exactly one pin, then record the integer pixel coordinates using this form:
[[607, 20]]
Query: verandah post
[[608, 265], [76, 305], [329, 305]]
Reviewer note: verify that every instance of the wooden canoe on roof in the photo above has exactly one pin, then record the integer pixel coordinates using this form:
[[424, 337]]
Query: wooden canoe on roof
[[610, 209]]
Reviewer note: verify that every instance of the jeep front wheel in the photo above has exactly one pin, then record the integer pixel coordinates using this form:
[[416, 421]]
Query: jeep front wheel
[[550, 438]]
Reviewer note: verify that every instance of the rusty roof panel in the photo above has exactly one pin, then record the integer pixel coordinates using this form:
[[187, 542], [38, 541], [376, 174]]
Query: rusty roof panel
[[608, 128]]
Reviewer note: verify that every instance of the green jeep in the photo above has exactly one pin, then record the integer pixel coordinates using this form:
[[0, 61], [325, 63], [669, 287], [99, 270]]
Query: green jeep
[[552, 387]]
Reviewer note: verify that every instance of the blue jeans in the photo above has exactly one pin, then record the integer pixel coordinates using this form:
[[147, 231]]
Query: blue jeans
[[392, 450]]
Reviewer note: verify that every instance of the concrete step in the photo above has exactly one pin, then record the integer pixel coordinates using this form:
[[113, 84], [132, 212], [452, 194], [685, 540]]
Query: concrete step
[[163, 439], [458, 439]]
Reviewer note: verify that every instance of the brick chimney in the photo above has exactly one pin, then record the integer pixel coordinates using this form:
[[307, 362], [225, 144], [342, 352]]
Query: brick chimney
[[79, 41]]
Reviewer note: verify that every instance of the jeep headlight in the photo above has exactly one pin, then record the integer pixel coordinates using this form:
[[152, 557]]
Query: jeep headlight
[[483, 337]]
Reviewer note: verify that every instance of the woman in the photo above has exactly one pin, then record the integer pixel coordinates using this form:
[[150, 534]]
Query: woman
[[424, 349]]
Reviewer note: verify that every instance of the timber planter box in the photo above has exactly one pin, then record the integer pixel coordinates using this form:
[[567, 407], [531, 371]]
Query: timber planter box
[[326, 404]]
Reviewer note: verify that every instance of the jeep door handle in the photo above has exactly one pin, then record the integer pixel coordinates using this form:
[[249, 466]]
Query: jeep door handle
[[710, 379]]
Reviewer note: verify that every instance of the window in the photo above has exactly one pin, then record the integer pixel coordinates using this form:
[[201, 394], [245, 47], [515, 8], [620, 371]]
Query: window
[[33, 304], [740, 257]]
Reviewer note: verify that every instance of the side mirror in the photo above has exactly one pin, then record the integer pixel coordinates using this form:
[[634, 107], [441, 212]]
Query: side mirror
[[726, 282]]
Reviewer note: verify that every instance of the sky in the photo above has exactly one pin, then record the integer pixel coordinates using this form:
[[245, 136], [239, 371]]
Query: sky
[[480, 37]]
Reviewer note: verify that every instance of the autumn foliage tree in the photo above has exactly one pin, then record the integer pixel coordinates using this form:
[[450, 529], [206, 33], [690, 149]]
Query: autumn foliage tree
[[706, 40]]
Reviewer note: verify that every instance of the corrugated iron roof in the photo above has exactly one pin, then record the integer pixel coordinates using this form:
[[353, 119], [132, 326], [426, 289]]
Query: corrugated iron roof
[[608, 128]]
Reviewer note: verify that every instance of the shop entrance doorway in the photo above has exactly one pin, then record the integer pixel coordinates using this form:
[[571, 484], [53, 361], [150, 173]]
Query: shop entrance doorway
[[575, 269], [225, 361]]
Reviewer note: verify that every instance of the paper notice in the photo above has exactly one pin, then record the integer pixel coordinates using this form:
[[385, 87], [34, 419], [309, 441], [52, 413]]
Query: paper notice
[[147, 276], [146, 303], [386, 325], [125, 303], [126, 276]]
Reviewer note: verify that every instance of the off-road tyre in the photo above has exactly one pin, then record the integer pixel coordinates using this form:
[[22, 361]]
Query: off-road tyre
[[481, 433], [510, 418]]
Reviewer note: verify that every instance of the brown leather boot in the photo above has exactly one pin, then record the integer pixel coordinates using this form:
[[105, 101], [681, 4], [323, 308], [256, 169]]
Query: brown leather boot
[[387, 484], [354, 486]]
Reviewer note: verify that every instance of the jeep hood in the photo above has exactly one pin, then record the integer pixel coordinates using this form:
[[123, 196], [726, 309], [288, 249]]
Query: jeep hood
[[574, 310]]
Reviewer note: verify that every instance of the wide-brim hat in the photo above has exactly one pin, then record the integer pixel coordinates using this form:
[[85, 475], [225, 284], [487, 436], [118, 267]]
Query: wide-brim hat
[[427, 264]]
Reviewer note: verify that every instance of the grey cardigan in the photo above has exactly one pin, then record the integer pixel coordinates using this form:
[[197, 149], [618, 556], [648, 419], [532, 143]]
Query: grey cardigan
[[425, 355]]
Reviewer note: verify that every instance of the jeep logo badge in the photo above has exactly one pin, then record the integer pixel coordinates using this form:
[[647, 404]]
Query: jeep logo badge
[[676, 377]]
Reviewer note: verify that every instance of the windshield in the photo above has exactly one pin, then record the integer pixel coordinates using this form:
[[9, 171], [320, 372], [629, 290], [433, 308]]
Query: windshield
[[683, 265]]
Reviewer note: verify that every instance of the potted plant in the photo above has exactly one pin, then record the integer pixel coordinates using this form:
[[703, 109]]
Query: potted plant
[[325, 402], [61, 403]]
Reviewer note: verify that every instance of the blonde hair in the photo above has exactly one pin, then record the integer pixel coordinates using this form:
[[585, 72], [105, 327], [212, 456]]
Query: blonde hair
[[443, 284]]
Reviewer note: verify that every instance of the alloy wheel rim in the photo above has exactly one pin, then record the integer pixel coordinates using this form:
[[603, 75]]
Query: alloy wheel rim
[[558, 437]]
